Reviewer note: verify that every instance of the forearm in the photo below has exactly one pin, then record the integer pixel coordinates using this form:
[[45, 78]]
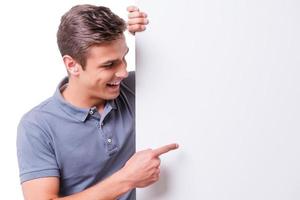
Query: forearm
[[108, 189]]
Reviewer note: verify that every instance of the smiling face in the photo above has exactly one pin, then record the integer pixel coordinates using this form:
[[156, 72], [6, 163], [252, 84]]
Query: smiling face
[[104, 70]]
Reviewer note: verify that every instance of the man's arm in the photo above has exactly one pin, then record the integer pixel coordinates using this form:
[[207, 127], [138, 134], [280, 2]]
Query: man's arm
[[141, 170], [48, 188]]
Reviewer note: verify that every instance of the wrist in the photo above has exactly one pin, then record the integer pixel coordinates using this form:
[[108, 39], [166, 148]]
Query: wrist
[[125, 180]]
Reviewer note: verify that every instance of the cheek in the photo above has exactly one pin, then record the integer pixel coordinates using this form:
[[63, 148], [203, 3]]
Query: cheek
[[98, 78], [102, 79], [89, 80]]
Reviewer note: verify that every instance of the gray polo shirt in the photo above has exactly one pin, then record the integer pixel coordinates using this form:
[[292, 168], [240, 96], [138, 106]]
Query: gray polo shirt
[[79, 146]]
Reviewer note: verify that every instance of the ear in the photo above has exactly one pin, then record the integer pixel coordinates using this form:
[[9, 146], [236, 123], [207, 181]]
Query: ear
[[71, 65]]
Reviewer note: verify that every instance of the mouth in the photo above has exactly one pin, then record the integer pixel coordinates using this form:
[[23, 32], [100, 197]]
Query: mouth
[[114, 84]]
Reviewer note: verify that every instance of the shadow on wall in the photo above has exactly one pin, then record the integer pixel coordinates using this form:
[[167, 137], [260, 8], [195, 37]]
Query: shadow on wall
[[168, 176], [159, 189]]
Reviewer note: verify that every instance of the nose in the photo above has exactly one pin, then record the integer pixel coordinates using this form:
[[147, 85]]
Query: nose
[[122, 71]]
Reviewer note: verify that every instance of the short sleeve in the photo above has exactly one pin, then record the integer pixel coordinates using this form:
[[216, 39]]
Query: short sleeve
[[36, 157]]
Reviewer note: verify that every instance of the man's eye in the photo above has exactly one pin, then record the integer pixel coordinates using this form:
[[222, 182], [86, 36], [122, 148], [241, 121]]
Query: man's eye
[[109, 64]]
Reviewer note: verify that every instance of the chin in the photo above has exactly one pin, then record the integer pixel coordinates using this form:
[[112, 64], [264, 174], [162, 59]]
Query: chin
[[112, 96]]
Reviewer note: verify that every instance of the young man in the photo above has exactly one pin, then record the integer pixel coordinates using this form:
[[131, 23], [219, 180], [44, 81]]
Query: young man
[[80, 143]]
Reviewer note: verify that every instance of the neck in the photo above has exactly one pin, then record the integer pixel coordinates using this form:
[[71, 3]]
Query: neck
[[80, 98]]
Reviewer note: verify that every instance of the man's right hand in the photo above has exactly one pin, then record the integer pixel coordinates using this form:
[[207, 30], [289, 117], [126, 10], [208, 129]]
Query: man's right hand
[[142, 169]]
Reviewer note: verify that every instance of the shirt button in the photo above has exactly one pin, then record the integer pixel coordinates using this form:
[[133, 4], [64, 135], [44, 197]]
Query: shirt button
[[91, 112], [109, 140]]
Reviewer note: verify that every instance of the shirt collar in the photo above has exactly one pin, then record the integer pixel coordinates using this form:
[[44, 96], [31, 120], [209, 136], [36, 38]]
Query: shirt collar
[[80, 114]]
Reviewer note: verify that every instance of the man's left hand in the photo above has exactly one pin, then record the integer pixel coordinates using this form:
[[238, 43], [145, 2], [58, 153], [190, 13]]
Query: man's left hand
[[137, 20]]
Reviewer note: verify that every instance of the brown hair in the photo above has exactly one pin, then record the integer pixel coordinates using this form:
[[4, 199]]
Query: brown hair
[[84, 26]]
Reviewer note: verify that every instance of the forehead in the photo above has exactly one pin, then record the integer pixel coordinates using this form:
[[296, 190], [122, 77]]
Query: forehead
[[111, 50]]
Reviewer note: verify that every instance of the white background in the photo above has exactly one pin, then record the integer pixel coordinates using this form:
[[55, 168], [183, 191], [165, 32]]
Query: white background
[[31, 68], [221, 78]]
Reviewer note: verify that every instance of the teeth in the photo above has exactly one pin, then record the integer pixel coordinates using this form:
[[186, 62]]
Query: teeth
[[114, 83]]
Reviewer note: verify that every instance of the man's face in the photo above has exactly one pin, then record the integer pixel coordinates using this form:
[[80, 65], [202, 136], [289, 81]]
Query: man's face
[[105, 69]]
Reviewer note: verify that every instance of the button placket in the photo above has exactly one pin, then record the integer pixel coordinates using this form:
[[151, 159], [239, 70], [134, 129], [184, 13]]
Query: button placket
[[106, 131], [98, 125]]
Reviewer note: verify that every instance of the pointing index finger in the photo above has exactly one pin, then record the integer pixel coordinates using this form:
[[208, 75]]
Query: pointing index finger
[[165, 149]]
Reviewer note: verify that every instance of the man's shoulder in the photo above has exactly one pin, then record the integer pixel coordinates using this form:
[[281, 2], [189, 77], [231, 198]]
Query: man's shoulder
[[34, 115]]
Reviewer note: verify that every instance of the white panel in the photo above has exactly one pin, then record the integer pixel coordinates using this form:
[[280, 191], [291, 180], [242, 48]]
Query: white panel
[[222, 79]]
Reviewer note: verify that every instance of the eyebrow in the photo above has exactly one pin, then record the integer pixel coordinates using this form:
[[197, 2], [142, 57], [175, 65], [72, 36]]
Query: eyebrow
[[109, 61]]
